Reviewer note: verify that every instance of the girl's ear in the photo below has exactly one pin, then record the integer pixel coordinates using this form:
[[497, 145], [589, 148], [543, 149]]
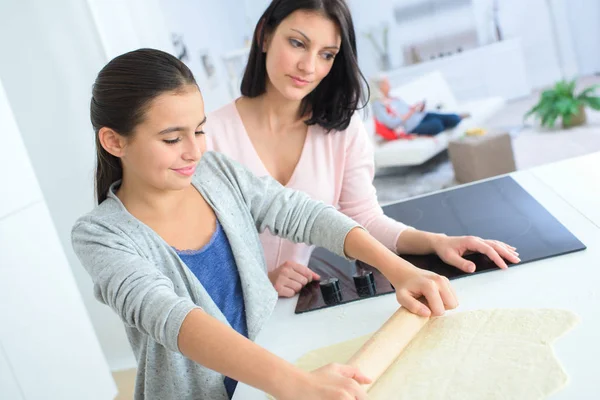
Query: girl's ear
[[112, 142]]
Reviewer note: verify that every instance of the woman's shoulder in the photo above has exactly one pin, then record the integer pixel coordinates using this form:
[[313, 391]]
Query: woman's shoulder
[[223, 127], [222, 114], [343, 140], [354, 127]]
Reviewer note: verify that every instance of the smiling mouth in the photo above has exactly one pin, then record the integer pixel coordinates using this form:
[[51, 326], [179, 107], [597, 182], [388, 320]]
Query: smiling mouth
[[299, 80], [187, 171]]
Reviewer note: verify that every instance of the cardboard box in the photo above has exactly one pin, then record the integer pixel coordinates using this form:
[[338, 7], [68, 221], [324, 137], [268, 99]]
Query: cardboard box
[[479, 157]]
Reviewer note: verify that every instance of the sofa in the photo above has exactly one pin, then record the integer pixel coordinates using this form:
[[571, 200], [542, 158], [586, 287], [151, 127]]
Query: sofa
[[434, 89]]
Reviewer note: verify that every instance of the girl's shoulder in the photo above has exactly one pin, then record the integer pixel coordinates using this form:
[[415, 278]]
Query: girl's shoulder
[[108, 215]]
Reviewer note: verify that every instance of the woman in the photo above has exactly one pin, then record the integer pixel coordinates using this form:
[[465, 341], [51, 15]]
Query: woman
[[173, 246], [297, 122], [393, 114]]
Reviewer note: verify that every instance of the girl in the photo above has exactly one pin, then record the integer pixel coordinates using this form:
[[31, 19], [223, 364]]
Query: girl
[[296, 122], [173, 246]]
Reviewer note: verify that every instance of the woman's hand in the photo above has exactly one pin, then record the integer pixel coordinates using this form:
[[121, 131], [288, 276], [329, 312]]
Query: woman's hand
[[412, 283], [452, 248], [290, 277], [331, 382]]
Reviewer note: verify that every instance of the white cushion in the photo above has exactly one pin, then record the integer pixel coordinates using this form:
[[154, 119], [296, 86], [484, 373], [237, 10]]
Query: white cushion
[[409, 151], [432, 88]]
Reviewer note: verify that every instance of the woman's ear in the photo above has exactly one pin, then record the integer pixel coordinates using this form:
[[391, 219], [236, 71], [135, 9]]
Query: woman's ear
[[112, 142]]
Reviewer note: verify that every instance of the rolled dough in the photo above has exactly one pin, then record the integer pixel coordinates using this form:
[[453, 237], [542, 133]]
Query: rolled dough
[[484, 354]]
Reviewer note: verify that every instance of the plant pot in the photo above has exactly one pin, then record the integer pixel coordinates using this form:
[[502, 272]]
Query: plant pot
[[578, 119]]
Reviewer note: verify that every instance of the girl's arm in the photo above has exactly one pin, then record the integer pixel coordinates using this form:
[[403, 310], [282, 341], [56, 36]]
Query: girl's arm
[[287, 213], [294, 215], [213, 344], [145, 298], [410, 282]]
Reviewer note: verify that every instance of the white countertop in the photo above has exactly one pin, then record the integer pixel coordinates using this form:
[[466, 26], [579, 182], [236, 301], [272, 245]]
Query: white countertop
[[569, 190]]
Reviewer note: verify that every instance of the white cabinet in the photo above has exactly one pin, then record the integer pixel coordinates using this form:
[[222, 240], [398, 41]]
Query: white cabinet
[[497, 69], [45, 331], [9, 387]]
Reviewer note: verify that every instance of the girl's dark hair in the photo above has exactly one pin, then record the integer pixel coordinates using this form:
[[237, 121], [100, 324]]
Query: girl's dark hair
[[121, 95], [337, 97]]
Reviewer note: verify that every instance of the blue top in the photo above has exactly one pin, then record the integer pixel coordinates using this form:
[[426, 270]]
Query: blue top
[[215, 268]]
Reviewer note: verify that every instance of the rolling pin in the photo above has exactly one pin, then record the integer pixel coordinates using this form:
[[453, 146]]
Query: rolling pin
[[384, 347]]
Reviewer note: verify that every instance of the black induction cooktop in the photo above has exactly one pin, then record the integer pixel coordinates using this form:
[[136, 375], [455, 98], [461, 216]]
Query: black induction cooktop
[[495, 209]]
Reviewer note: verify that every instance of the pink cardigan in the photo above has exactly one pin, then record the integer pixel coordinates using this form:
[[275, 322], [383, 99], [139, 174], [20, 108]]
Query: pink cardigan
[[336, 168]]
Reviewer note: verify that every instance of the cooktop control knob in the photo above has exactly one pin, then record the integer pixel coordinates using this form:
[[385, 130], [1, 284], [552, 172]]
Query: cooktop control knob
[[365, 284], [330, 289]]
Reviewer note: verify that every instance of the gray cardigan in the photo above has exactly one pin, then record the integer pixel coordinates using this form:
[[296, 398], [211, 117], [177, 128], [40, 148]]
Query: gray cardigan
[[142, 279]]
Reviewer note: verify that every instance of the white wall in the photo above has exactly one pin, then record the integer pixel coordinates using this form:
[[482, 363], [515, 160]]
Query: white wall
[[530, 20], [51, 54], [125, 25], [584, 20], [367, 16], [254, 9], [46, 338], [209, 27]]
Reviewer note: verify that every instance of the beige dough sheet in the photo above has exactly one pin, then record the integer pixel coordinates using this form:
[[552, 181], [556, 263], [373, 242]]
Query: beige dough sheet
[[478, 355]]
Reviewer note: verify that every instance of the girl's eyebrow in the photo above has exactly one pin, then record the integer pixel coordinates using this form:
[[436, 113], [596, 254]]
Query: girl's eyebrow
[[178, 128]]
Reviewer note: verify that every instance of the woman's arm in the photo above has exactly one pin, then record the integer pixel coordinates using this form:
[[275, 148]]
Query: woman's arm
[[358, 197], [452, 248], [411, 111]]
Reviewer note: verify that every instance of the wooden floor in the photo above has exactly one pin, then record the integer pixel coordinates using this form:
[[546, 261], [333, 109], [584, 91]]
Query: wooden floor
[[125, 381]]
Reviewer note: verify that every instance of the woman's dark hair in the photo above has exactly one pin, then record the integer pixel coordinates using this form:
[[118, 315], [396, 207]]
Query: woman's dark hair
[[337, 97], [121, 95]]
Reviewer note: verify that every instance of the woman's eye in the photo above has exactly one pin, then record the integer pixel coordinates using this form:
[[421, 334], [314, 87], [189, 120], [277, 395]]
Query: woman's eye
[[329, 56], [199, 133], [171, 141], [296, 43]]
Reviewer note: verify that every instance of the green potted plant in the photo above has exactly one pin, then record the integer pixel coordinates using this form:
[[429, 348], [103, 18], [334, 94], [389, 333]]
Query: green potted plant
[[561, 101]]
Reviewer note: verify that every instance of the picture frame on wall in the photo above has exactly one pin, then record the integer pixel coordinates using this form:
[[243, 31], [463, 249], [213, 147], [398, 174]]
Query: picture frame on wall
[[208, 68], [181, 51]]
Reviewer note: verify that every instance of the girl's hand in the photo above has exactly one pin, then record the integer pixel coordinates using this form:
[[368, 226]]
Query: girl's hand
[[412, 283], [452, 248], [290, 277], [331, 382]]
